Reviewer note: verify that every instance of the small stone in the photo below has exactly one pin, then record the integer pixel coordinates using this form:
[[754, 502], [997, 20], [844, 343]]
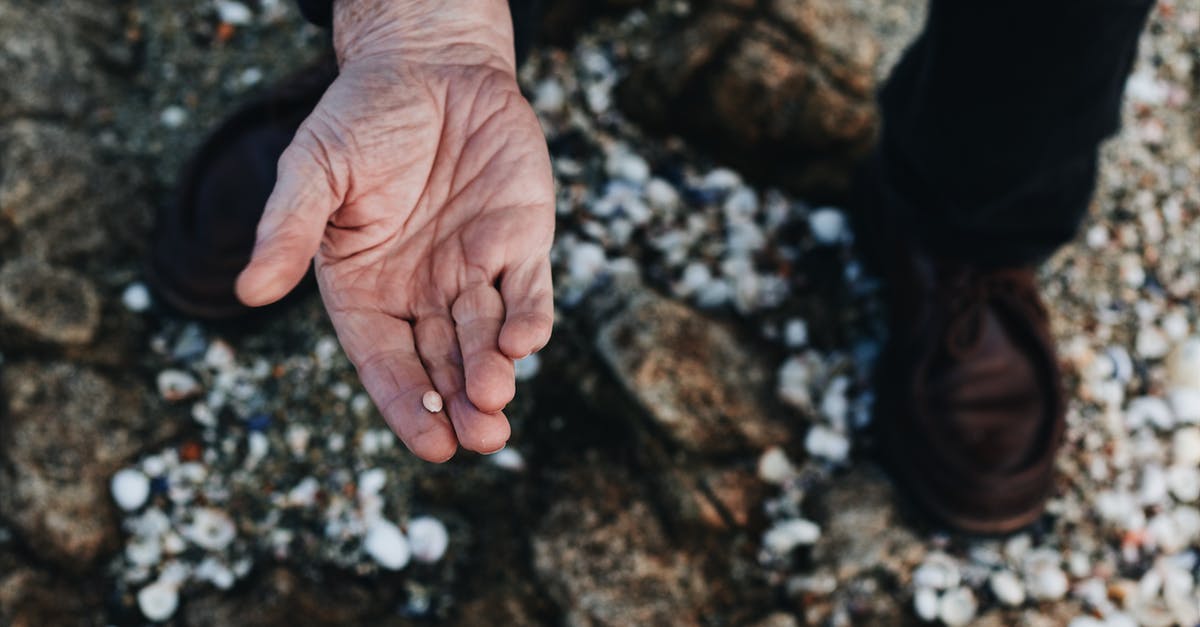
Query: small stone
[[828, 226], [159, 600], [661, 195], [827, 444], [527, 367], [173, 116], [1152, 343], [926, 604], [508, 459], [939, 572], [176, 385], [386, 544], [774, 466], [136, 298], [549, 96], [1149, 410], [1185, 446], [957, 607], [428, 539], [1086, 621], [1007, 587], [795, 377], [235, 13], [786, 535], [1044, 576], [1183, 365], [1185, 402], [795, 333], [1184, 482], [130, 488], [432, 401], [210, 529]]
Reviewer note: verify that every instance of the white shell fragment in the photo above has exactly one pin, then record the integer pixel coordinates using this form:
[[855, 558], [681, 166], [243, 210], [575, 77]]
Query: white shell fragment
[[158, 601], [957, 607], [130, 488], [428, 539], [786, 535], [432, 401], [386, 544]]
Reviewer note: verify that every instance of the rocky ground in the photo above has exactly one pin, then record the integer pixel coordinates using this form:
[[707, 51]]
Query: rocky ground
[[687, 449]]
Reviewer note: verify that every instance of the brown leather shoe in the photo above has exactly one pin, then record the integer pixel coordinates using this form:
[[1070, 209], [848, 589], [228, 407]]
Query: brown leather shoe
[[969, 408], [203, 239]]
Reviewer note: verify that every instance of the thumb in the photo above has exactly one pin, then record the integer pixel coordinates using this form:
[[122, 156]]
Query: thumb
[[291, 227]]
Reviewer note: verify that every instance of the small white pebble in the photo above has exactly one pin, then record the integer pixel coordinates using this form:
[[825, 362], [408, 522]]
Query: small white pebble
[[1185, 446], [786, 535], [1007, 587], [159, 600], [432, 401], [1183, 364], [428, 538], [1044, 576], [827, 444], [957, 607], [1184, 482], [136, 298], [173, 116], [235, 13], [828, 225], [130, 488], [176, 385], [925, 604], [774, 467], [508, 459], [386, 544], [527, 367], [939, 572], [210, 529], [795, 333]]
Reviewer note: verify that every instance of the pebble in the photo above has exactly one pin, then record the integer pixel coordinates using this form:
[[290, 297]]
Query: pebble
[[1184, 482], [828, 226], [786, 535], [1185, 403], [210, 529], [177, 385], [1185, 446], [774, 467], [1007, 587], [130, 488], [432, 401], [173, 116], [428, 538], [507, 458], [795, 377], [1152, 343], [386, 544], [795, 333], [1183, 365], [235, 13], [1044, 576], [825, 443], [938, 572], [1149, 410], [527, 367], [159, 600], [957, 607], [926, 604], [136, 298]]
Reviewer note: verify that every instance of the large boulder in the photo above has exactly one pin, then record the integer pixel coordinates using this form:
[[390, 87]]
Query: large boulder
[[780, 89], [606, 559], [66, 431]]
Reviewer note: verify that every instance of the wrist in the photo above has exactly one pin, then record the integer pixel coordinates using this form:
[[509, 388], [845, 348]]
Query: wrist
[[444, 32]]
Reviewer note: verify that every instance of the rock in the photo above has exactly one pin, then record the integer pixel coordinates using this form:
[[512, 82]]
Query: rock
[[603, 557], [784, 536], [428, 538], [829, 226], [926, 604], [159, 600], [67, 430], [1183, 364], [825, 443], [1007, 587], [1185, 446], [130, 488], [863, 531], [774, 466], [136, 297], [46, 304], [782, 88], [386, 544], [938, 572], [957, 607], [695, 379]]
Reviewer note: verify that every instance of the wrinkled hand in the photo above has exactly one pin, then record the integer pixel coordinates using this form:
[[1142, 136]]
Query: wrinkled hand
[[422, 185]]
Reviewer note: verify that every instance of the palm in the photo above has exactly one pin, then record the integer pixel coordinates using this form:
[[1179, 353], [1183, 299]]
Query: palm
[[434, 265]]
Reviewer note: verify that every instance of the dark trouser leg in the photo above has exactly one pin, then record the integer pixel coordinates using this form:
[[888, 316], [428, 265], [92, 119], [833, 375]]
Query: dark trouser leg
[[992, 120]]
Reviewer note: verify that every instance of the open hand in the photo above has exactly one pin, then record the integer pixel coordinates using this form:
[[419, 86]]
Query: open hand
[[422, 185]]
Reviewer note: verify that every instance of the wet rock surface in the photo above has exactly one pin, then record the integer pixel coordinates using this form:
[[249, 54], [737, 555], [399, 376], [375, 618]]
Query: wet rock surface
[[41, 303]]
